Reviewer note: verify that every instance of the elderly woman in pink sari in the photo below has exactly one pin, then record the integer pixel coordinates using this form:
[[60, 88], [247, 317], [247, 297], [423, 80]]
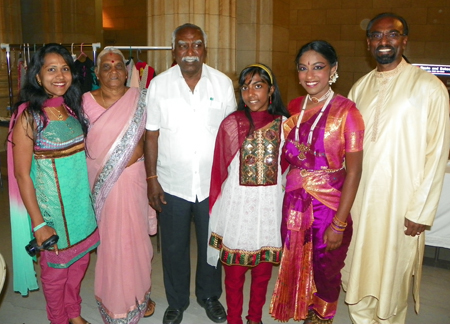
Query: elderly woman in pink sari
[[117, 175]]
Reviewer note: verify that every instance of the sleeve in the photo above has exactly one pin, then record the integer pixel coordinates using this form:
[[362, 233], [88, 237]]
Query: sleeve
[[424, 202], [153, 108], [354, 130], [351, 94], [230, 99]]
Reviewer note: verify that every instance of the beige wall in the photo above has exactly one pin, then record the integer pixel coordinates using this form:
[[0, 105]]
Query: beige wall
[[216, 17], [340, 21], [10, 32], [59, 21], [241, 32], [125, 22], [282, 63], [45, 21]]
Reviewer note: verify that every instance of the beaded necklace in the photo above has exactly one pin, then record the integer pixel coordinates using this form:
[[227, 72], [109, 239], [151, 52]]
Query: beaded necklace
[[299, 121], [325, 96]]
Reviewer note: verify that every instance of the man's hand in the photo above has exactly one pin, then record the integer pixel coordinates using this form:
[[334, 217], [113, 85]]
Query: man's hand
[[412, 228], [155, 194]]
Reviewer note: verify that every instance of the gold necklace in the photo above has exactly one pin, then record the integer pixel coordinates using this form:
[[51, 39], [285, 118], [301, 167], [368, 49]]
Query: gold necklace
[[104, 104], [59, 116], [325, 96], [103, 100]]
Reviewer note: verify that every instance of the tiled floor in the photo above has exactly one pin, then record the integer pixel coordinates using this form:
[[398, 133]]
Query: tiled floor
[[14, 309]]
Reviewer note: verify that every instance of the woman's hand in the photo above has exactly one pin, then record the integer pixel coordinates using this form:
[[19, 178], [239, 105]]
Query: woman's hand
[[332, 239], [43, 234]]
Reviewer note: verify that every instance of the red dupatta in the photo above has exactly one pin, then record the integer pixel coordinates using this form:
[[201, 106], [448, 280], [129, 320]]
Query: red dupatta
[[232, 132]]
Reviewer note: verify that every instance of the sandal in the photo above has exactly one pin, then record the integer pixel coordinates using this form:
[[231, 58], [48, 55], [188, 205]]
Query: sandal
[[150, 308]]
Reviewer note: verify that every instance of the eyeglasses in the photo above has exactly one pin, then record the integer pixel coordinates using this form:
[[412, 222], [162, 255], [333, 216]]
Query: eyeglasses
[[390, 35]]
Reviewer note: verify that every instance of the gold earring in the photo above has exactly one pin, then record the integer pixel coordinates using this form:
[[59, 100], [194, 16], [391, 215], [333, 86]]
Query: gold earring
[[333, 78]]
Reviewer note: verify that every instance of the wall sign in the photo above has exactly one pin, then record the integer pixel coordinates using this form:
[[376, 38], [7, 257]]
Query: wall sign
[[435, 69]]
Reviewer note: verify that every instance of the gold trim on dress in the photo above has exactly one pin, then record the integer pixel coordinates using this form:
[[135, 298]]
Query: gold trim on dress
[[54, 154]]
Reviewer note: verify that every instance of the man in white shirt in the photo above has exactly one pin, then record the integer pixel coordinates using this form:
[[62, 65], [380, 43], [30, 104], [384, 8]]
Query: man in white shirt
[[185, 106]]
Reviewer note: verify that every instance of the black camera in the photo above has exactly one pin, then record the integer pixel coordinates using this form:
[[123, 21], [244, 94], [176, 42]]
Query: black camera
[[32, 248]]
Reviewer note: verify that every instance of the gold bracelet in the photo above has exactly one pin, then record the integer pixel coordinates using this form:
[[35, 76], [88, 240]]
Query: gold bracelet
[[151, 177], [337, 229], [338, 222]]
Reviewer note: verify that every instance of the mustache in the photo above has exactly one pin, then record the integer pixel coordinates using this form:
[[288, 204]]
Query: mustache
[[190, 59]]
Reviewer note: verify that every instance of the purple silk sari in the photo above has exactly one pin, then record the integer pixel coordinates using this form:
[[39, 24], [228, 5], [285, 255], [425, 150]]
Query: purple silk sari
[[309, 277]]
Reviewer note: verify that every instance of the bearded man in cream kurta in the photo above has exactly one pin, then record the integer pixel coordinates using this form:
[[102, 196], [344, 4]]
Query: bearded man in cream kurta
[[406, 114]]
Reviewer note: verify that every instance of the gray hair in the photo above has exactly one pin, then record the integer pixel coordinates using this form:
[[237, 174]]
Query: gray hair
[[188, 25], [106, 51]]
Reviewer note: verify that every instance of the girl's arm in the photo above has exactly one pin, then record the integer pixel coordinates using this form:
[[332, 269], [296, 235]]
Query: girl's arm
[[23, 153]]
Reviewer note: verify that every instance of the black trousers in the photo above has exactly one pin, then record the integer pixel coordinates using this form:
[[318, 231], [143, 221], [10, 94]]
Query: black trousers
[[175, 225]]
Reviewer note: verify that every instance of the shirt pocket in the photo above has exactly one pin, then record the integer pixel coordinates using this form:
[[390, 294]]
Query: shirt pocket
[[215, 114]]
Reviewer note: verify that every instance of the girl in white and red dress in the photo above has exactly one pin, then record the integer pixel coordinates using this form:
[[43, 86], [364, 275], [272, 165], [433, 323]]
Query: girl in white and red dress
[[246, 192]]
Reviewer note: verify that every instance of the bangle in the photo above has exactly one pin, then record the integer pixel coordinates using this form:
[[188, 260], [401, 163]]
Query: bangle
[[336, 221], [39, 226], [336, 229], [151, 177]]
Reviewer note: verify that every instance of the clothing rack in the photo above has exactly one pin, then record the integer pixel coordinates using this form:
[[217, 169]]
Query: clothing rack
[[143, 48], [25, 46], [146, 48]]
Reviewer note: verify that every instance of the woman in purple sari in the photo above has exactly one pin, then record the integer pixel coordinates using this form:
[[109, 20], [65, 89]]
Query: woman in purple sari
[[324, 150]]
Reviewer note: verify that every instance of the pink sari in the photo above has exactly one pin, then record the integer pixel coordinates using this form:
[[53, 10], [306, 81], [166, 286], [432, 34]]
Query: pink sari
[[309, 277], [125, 220]]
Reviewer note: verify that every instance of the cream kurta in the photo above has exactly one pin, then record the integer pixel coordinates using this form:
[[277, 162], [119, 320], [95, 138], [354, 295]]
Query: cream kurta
[[406, 114]]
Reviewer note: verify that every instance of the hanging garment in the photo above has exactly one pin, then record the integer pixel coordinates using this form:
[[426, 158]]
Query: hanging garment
[[84, 70], [146, 74]]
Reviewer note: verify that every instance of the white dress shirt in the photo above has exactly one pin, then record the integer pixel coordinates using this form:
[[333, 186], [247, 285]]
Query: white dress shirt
[[187, 122]]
